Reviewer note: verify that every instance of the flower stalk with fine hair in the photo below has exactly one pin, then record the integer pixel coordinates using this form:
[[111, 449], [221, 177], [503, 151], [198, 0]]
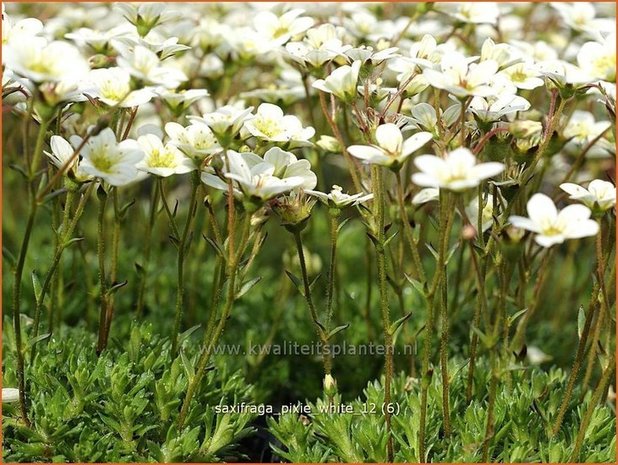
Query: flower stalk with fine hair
[[379, 242]]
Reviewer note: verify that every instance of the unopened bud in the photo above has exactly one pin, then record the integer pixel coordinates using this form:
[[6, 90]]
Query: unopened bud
[[330, 385]]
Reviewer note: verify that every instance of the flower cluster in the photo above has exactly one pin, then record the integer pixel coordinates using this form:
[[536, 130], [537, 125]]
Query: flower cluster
[[434, 120]]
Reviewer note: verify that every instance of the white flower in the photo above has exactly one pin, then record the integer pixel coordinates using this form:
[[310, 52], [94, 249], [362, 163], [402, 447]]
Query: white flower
[[563, 73], [286, 165], [145, 16], [391, 150], [196, 140], [179, 101], [488, 109], [226, 120], [472, 12], [458, 76], [429, 194], [536, 356], [42, 62], [99, 41], [580, 16], [339, 199], [457, 172], [424, 117], [366, 53], [553, 227], [22, 30], [112, 86], [582, 128], [598, 59], [341, 82], [523, 76], [599, 194], [503, 54], [144, 64], [61, 152], [272, 125], [113, 162], [472, 210], [255, 177], [245, 44], [321, 45], [162, 160], [280, 29], [535, 51], [10, 395]]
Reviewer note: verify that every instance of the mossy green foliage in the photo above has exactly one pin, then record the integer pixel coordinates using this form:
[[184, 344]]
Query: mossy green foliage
[[524, 409], [123, 405]]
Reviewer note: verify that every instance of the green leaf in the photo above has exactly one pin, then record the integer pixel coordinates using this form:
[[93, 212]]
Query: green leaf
[[20, 169], [336, 330], [515, 316], [315, 280], [70, 242], [189, 370], [246, 287], [390, 238], [36, 284], [214, 245], [416, 284], [581, 321], [116, 287], [296, 281], [124, 209], [185, 335], [432, 250], [487, 341], [9, 257], [342, 224], [397, 324], [39, 338]]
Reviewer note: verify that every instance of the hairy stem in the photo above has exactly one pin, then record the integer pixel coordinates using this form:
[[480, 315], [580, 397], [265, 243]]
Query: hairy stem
[[606, 378], [379, 204], [579, 357], [183, 246], [319, 328], [19, 271], [102, 342], [152, 216]]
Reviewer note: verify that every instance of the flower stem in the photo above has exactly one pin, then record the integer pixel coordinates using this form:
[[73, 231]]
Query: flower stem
[[520, 333], [407, 229], [62, 237], [476, 319], [489, 427], [379, 241], [579, 357], [349, 160], [231, 270], [152, 215], [330, 290], [102, 342], [319, 328], [446, 222], [183, 246], [109, 311], [66, 231], [19, 271], [606, 378]]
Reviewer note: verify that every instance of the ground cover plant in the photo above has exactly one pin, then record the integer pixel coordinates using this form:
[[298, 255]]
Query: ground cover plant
[[308, 232]]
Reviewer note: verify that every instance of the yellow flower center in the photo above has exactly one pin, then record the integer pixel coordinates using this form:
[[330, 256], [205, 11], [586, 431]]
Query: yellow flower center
[[606, 65], [268, 127], [102, 161], [165, 159]]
